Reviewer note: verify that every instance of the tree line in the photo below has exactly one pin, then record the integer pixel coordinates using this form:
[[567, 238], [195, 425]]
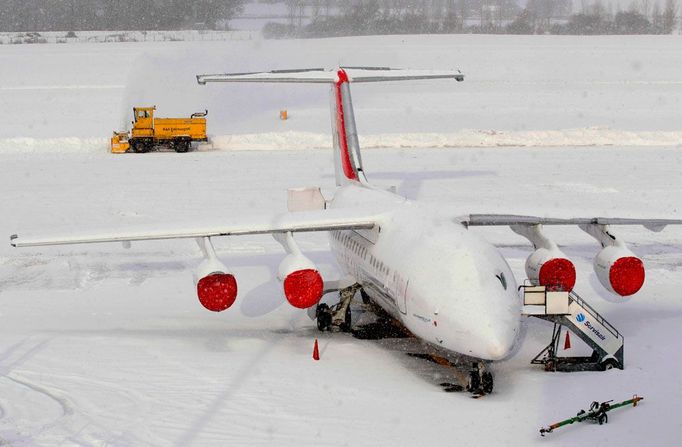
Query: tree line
[[644, 17], [86, 15], [317, 18], [321, 18]]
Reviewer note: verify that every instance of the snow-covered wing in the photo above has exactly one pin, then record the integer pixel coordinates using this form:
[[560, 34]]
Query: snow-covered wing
[[309, 221], [323, 76], [511, 219]]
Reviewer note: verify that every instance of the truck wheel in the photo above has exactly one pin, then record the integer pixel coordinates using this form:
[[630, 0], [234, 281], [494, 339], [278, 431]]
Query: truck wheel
[[136, 146], [181, 146]]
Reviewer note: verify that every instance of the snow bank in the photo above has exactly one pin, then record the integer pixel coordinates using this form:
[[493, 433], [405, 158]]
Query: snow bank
[[53, 145], [595, 136]]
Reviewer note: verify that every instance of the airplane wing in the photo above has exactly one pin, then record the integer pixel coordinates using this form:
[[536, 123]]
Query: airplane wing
[[306, 221], [480, 220]]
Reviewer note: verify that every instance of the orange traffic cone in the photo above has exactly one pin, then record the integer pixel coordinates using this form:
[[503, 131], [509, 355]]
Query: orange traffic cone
[[316, 351], [567, 343]]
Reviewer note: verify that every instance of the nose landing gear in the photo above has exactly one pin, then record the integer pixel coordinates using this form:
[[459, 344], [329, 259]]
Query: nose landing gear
[[480, 380]]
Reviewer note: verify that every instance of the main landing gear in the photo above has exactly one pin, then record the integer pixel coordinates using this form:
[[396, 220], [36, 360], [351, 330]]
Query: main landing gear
[[480, 380], [338, 315]]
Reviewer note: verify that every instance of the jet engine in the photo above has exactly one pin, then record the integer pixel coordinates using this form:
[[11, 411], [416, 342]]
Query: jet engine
[[302, 282], [216, 288], [551, 268], [617, 268], [547, 265]]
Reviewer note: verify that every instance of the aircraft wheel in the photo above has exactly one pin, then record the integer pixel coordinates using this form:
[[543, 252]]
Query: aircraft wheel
[[609, 364], [603, 419], [474, 381], [324, 317], [487, 382]]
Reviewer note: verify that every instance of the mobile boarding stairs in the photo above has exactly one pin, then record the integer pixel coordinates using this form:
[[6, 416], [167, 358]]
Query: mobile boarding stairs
[[568, 309]]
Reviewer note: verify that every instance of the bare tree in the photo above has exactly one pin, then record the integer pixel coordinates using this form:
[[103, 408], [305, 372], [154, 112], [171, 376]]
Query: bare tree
[[670, 16], [598, 9], [645, 7], [464, 12], [295, 11]]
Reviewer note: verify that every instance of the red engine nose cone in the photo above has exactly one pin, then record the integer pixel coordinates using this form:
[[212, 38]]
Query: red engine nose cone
[[627, 275], [303, 288], [557, 274], [217, 292]]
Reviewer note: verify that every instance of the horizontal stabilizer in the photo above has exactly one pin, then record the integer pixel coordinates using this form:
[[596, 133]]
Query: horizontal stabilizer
[[324, 76]]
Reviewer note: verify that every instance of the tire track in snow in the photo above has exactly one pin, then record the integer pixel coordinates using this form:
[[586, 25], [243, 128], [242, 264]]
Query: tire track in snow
[[5, 370], [66, 407], [27, 430], [86, 429]]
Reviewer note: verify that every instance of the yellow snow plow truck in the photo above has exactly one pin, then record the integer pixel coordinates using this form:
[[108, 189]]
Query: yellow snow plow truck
[[149, 132]]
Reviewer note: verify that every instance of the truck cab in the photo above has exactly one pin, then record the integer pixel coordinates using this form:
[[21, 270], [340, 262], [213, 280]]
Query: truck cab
[[143, 124]]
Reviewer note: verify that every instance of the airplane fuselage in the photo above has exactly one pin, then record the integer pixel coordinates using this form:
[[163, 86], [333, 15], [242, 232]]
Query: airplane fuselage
[[446, 285]]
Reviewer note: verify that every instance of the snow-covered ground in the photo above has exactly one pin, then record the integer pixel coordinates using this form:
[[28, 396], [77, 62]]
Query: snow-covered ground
[[100, 345]]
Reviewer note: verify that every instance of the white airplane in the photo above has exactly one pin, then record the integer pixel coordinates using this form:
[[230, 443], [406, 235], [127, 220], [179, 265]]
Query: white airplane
[[445, 284]]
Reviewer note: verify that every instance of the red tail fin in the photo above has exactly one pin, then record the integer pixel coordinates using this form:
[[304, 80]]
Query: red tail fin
[[346, 163]]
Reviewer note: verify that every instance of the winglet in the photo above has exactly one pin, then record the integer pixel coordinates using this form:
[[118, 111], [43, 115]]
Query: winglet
[[12, 238]]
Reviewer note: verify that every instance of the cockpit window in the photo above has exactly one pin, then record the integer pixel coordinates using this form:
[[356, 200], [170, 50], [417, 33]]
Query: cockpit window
[[502, 279]]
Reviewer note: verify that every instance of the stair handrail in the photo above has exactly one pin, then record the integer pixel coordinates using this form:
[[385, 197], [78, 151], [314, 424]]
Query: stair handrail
[[595, 314]]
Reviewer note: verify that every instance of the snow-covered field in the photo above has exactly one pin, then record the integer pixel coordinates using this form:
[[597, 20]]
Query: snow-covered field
[[100, 345]]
